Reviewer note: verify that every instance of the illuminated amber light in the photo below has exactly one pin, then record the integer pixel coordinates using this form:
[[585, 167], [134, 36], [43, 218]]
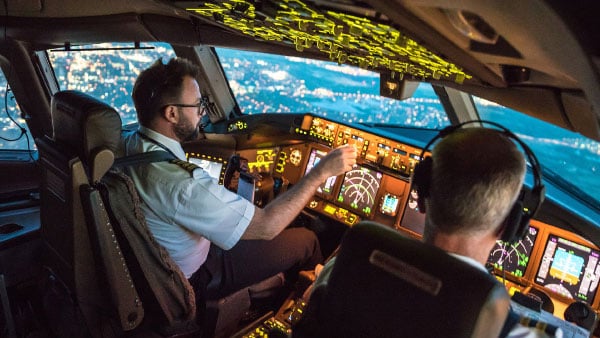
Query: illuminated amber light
[[281, 162], [264, 160], [237, 126], [343, 38], [330, 209]]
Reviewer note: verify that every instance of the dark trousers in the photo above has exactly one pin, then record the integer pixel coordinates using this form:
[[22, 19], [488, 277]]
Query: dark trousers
[[251, 261]]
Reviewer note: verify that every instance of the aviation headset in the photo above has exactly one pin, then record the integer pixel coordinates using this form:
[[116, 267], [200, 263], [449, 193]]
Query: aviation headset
[[528, 202]]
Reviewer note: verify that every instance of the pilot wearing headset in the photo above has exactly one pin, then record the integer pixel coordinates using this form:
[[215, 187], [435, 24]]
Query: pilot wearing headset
[[470, 189]]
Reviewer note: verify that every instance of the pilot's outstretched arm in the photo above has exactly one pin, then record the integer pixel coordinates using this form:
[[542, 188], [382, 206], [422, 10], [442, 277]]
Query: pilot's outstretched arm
[[277, 215]]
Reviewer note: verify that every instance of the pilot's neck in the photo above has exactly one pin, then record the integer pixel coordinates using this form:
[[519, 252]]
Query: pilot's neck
[[164, 129], [475, 246]]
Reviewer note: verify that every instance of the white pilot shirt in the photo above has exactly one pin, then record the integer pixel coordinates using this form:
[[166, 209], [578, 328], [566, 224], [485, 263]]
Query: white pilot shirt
[[185, 212]]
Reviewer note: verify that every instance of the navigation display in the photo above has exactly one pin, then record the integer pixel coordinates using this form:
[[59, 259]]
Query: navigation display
[[514, 258], [359, 189], [569, 269], [326, 188]]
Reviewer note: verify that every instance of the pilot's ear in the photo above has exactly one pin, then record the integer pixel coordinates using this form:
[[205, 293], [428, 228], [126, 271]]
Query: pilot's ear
[[170, 114]]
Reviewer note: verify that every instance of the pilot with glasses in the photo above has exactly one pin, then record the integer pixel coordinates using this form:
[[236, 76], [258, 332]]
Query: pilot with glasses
[[221, 241]]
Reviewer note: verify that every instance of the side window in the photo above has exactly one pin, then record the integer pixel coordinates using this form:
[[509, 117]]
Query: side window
[[14, 133], [107, 71]]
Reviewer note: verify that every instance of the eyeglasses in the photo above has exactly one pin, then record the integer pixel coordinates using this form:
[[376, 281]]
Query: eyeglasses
[[202, 106]]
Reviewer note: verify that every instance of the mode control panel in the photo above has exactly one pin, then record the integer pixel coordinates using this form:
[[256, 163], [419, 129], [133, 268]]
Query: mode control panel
[[372, 149]]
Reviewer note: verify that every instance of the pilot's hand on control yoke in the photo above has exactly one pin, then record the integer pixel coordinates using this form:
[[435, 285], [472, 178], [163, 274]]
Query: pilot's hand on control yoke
[[338, 161]]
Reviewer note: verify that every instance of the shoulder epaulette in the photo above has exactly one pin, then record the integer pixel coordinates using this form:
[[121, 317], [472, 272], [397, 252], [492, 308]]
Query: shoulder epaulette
[[188, 166]]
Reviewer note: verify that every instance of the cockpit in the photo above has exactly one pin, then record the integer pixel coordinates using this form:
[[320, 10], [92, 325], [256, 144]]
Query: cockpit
[[286, 82]]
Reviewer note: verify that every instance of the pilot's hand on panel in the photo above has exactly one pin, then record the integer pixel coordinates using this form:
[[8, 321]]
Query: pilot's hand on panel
[[338, 161]]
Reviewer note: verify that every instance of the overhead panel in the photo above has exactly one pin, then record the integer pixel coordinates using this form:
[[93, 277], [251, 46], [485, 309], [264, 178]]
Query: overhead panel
[[342, 38]]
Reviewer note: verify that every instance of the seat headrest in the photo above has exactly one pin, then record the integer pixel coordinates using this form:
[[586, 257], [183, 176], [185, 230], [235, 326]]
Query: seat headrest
[[84, 123]]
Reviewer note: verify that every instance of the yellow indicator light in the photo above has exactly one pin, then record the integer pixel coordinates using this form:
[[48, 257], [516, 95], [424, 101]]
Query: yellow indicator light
[[239, 125], [512, 290], [330, 209], [341, 37]]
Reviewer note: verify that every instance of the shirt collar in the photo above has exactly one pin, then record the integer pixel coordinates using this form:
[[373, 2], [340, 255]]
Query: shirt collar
[[173, 145], [469, 261]]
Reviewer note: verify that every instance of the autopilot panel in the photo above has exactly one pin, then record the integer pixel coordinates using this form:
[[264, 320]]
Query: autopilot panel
[[380, 152]]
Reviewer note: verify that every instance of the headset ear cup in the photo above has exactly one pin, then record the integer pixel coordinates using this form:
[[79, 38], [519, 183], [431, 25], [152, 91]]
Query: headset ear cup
[[421, 180], [514, 224]]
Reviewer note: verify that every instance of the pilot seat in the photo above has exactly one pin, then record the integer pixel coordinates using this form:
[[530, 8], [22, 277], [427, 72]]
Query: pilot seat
[[384, 284]]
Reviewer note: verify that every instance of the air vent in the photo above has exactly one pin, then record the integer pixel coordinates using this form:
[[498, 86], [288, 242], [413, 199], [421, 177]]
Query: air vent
[[472, 26]]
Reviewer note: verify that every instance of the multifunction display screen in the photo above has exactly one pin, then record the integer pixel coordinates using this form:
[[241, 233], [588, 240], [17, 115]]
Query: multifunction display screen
[[514, 258], [569, 269]]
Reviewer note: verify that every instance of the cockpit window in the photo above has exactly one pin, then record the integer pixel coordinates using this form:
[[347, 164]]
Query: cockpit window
[[566, 156], [108, 73], [14, 133], [267, 83]]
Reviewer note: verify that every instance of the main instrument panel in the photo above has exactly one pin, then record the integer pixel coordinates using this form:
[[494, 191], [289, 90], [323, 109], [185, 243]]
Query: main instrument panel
[[548, 259], [376, 188]]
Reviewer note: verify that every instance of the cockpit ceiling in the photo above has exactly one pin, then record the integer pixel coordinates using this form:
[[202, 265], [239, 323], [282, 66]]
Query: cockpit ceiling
[[339, 37]]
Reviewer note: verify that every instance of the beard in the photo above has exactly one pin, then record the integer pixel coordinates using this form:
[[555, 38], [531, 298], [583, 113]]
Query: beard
[[185, 130]]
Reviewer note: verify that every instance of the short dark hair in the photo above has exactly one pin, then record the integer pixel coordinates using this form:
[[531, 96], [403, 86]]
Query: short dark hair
[[159, 84], [476, 177]]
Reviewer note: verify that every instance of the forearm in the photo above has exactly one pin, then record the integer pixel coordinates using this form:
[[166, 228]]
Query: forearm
[[277, 215]]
